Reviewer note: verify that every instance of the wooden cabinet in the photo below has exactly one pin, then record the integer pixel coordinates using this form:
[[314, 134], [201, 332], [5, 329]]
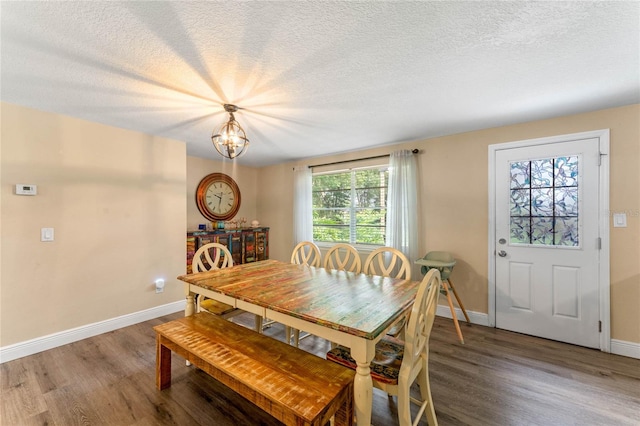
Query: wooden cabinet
[[246, 245]]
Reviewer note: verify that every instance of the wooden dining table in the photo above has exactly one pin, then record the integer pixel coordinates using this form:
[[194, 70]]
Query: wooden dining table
[[353, 310]]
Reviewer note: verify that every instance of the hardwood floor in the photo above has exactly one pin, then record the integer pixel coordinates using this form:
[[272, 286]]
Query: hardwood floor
[[495, 378]]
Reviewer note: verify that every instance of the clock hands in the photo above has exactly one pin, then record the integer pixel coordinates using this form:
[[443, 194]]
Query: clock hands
[[220, 195]]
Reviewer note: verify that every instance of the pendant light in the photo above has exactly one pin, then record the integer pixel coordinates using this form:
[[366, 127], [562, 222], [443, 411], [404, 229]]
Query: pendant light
[[229, 139]]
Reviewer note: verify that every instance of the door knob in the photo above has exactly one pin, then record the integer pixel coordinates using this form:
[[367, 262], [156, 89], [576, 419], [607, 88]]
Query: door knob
[[502, 253]]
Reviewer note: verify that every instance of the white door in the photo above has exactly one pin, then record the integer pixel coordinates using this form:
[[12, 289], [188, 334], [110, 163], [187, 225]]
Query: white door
[[547, 242]]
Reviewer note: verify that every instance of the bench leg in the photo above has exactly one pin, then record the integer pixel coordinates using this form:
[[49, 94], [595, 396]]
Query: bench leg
[[163, 365]]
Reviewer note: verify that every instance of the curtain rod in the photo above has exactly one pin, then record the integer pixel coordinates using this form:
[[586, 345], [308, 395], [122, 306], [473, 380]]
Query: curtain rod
[[415, 151]]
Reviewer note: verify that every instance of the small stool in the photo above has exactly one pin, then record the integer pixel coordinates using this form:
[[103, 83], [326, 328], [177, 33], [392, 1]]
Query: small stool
[[444, 262]]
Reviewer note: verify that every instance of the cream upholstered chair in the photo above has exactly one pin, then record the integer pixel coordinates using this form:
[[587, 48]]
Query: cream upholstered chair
[[214, 256], [343, 257], [306, 253], [389, 262], [384, 260], [396, 364], [444, 262]]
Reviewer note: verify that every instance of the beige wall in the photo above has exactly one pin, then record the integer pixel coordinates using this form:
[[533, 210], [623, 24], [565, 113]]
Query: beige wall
[[454, 203], [117, 202], [121, 202]]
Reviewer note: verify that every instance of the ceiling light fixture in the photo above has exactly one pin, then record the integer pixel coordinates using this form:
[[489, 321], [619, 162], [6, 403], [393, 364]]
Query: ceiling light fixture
[[230, 139]]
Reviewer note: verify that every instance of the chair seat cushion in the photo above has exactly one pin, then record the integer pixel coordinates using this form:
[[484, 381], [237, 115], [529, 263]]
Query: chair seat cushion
[[215, 307], [385, 365]]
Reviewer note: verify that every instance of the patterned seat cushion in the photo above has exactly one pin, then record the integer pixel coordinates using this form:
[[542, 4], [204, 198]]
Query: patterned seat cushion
[[385, 366], [215, 307]]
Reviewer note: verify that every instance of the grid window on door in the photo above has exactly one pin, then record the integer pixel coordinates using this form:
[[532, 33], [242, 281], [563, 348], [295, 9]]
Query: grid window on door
[[544, 202]]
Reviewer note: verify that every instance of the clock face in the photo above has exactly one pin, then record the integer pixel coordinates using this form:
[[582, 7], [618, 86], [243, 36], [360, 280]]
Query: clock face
[[218, 197]]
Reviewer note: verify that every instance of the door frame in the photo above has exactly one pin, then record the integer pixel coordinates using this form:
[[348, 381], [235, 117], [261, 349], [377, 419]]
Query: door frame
[[603, 224]]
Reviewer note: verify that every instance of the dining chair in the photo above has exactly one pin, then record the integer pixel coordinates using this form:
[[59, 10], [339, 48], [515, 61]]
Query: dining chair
[[340, 257], [388, 262], [444, 262], [215, 256], [343, 257], [397, 364], [306, 253]]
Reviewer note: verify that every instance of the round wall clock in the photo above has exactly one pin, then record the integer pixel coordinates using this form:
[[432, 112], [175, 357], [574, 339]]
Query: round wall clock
[[218, 197]]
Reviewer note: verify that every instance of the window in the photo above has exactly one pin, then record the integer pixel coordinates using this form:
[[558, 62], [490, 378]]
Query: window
[[350, 206], [544, 202]]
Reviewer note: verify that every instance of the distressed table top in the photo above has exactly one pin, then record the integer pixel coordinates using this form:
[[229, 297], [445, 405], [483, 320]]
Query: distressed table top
[[358, 304]]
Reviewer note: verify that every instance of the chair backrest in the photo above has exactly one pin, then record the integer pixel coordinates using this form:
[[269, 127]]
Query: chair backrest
[[439, 258], [343, 257], [211, 256], [382, 261], [306, 253], [418, 331]]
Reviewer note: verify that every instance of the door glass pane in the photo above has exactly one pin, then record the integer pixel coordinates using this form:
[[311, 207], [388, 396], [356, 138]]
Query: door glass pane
[[520, 230], [544, 202], [566, 171], [566, 231], [542, 173], [566, 202], [520, 174], [542, 230], [520, 203]]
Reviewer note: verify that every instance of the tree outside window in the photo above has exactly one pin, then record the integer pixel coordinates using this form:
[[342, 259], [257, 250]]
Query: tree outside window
[[350, 207]]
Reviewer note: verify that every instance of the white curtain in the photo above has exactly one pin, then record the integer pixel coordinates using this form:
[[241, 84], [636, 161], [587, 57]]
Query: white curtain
[[402, 206], [302, 205]]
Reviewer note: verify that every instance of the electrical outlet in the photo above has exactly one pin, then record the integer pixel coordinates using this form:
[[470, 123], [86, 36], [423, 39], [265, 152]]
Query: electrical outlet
[[22, 189], [159, 285]]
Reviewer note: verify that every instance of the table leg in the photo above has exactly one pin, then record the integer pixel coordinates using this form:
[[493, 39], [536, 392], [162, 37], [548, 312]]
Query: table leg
[[190, 309], [363, 384]]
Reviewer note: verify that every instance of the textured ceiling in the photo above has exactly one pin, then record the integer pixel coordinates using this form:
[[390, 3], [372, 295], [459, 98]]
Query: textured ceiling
[[315, 78]]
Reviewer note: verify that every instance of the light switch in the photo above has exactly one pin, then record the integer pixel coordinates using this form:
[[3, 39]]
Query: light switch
[[46, 234], [619, 220]]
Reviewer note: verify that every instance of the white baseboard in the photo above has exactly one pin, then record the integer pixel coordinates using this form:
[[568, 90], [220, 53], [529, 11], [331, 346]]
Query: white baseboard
[[475, 317], [630, 349], [618, 347], [30, 347]]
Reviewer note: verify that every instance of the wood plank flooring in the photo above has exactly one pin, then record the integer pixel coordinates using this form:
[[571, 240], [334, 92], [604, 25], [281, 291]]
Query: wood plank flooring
[[495, 378]]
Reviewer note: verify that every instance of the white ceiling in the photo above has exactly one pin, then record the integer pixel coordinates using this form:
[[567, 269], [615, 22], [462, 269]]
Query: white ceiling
[[318, 77]]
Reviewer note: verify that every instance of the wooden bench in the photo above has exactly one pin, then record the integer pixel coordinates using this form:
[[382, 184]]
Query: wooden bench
[[294, 386]]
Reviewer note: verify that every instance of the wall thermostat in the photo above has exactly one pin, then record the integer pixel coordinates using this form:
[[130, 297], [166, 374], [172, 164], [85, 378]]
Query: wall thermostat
[[22, 189]]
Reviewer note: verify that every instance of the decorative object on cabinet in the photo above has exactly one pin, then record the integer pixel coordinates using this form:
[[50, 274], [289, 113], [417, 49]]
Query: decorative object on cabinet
[[218, 197], [246, 245], [229, 139]]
